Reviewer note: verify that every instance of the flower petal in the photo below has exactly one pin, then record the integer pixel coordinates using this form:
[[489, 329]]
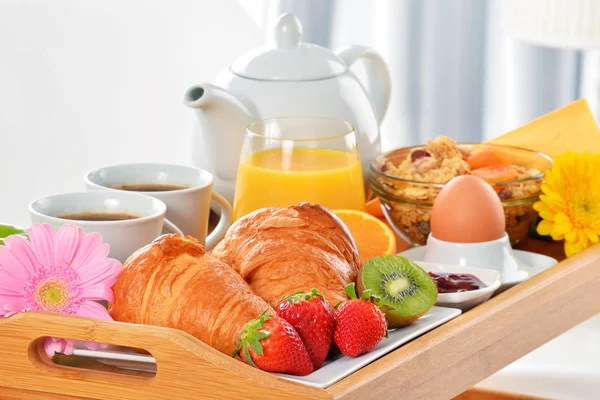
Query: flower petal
[[97, 292], [8, 292], [90, 249], [66, 244], [55, 345], [22, 249], [9, 284], [12, 266], [582, 238], [562, 223], [547, 215], [571, 237], [94, 345], [545, 228], [538, 206], [104, 271], [542, 207], [42, 239], [11, 305], [91, 309], [69, 346], [9, 297], [592, 235], [557, 237], [49, 347], [573, 248]]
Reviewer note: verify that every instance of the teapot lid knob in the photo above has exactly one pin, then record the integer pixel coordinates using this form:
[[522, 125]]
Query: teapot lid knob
[[288, 31], [287, 58]]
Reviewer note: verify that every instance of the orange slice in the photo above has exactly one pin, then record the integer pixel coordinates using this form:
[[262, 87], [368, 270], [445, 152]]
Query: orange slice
[[488, 156], [373, 237], [496, 173], [373, 207]]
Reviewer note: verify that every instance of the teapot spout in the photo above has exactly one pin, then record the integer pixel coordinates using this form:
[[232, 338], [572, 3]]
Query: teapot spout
[[219, 136], [203, 96]]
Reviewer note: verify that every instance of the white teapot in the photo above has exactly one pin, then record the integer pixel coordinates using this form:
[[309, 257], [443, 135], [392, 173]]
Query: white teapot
[[286, 78]]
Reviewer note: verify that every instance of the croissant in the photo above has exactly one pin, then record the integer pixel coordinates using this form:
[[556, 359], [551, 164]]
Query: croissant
[[279, 251], [172, 282]]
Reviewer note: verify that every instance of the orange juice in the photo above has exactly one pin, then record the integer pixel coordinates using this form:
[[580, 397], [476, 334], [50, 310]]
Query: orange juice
[[283, 177]]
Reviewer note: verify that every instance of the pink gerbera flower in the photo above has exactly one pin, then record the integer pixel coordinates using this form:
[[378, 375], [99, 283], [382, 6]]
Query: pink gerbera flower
[[63, 272]]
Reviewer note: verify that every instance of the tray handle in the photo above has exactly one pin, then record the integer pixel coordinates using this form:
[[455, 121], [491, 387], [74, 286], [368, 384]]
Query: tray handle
[[186, 367]]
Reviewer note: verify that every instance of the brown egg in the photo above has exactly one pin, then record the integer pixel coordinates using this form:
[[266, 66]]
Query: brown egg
[[467, 210]]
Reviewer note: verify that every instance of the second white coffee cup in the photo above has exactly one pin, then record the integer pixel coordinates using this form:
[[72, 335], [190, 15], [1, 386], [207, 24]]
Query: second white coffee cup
[[186, 190]]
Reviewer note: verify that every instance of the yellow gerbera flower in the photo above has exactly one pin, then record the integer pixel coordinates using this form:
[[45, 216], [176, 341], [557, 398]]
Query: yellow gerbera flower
[[570, 203]]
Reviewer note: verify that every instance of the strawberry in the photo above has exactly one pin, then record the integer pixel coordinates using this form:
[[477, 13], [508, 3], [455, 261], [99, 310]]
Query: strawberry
[[312, 317], [360, 324], [271, 344]]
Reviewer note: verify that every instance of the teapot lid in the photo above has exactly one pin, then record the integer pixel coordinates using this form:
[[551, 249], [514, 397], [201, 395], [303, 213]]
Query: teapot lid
[[287, 58]]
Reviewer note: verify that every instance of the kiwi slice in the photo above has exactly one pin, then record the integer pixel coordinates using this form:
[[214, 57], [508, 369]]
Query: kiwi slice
[[402, 290]]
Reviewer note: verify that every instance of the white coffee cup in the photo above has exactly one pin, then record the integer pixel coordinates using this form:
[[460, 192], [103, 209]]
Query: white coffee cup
[[124, 236], [188, 207]]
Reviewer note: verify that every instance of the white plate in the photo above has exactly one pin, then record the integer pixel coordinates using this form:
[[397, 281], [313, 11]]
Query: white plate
[[537, 262], [332, 370]]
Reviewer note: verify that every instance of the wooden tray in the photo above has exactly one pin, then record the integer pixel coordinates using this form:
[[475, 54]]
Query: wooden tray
[[438, 365]]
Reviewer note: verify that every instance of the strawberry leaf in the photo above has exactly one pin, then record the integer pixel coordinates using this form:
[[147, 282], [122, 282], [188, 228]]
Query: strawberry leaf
[[256, 346], [293, 298], [238, 347], [262, 335], [351, 291], [251, 336], [366, 295], [300, 296], [247, 356]]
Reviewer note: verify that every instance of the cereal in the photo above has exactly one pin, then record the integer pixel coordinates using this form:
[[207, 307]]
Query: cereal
[[410, 184]]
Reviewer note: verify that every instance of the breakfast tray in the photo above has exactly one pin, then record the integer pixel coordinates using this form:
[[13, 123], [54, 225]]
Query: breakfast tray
[[438, 365]]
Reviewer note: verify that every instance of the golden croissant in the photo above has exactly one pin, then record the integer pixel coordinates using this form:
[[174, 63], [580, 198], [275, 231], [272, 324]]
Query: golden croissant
[[279, 251], [172, 282]]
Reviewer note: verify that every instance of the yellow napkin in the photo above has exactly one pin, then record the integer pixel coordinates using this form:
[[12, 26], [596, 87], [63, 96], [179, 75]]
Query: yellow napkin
[[570, 128]]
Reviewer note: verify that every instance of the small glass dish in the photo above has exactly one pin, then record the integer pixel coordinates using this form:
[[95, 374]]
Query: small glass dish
[[407, 203]]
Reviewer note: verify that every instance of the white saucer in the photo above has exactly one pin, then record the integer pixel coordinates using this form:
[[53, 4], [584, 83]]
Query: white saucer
[[537, 262]]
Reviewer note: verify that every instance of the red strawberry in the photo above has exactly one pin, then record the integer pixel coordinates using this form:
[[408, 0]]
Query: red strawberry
[[312, 317], [271, 344], [360, 324]]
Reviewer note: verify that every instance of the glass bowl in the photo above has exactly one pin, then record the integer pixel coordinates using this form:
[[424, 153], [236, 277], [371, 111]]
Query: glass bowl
[[407, 203]]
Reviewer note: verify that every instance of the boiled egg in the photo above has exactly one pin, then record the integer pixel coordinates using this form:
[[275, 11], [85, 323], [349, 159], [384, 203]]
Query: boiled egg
[[467, 210]]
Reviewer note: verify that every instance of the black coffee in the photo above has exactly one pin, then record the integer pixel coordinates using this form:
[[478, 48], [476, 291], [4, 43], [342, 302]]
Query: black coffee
[[90, 216], [151, 187]]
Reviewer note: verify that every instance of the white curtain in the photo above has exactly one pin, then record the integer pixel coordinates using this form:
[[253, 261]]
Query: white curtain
[[455, 70]]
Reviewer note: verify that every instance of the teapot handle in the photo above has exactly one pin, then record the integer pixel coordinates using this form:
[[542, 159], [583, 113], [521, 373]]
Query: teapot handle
[[378, 83]]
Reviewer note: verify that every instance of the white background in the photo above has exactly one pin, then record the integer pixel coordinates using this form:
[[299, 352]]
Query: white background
[[89, 83]]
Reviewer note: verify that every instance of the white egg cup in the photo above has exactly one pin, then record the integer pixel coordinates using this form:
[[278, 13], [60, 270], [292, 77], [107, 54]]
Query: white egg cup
[[495, 254]]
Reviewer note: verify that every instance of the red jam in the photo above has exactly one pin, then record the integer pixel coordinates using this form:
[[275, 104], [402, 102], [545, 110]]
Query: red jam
[[454, 283]]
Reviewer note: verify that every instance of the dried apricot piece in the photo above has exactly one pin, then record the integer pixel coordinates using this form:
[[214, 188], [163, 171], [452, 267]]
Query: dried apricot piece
[[496, 173], [488, 156]]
